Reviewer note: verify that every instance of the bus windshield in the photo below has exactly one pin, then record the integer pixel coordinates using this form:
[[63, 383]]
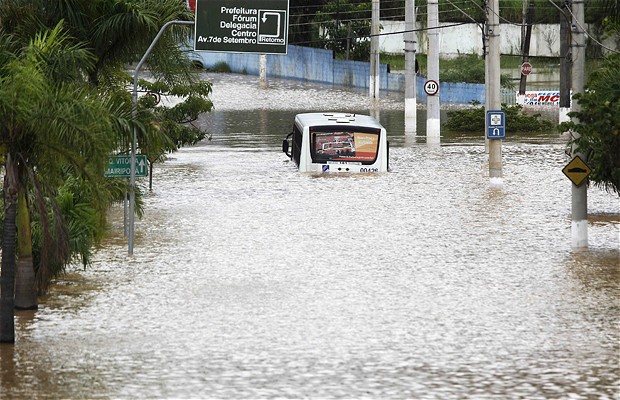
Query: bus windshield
[[345, 145]]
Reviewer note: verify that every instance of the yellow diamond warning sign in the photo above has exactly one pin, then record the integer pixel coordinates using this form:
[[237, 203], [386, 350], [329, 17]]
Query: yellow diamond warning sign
[[577, 171]]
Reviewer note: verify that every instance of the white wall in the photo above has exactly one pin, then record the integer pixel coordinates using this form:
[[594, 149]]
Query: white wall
[[468, 39]]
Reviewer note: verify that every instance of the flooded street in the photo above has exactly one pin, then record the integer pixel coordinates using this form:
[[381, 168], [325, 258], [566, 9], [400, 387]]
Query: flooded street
[[250, 280]]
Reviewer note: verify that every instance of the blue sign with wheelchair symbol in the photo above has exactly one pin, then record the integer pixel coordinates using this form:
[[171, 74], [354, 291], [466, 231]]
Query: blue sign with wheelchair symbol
[[496, 124]]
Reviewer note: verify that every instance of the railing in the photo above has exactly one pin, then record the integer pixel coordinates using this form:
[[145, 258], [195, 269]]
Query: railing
[[508, 97]]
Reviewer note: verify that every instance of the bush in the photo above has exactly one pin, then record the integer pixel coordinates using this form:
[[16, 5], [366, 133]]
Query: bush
[[220, 66], [472, 120], [598, 125], [468, 68]]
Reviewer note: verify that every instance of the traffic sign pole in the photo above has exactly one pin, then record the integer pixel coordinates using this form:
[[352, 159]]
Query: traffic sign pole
[[134, 142]]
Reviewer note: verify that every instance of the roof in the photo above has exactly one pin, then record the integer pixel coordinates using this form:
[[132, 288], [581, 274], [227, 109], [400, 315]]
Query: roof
[[337, 118]]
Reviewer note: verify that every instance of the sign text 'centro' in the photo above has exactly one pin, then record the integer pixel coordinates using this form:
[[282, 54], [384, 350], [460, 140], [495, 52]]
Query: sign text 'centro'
[[242, 26]]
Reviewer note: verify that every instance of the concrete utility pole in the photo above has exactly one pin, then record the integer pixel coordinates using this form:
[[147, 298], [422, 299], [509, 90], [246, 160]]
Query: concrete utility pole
[[433, 125], [565, 62], [263, 70], [411, 112], [579, 204], [493, 87], [374, 50]]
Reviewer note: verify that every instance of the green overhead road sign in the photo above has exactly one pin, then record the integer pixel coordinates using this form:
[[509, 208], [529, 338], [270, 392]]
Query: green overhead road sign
[[119, 166], [241, 26]]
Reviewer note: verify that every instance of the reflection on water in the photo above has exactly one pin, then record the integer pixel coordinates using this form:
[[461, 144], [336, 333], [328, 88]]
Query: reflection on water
[[250, 280]]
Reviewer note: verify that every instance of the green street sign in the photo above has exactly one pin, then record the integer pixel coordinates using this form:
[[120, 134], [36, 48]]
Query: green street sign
[[119, 166], [241, 26]]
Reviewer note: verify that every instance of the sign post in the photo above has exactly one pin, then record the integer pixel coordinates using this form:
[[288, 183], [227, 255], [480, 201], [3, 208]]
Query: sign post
[[134, 141], [242, 26]]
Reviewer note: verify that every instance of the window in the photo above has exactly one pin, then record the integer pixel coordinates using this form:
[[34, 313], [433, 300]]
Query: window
[[351, 144]]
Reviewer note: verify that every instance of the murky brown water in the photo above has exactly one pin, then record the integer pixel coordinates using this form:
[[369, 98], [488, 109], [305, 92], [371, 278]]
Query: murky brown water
[[250, 280]]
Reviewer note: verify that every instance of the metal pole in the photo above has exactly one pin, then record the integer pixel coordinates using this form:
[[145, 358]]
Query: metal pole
[[374, 50], [411, 112], [579, 203], [433, 125], [493, 85], [526, 37], [565, 61], [134, 144], [125, 214]]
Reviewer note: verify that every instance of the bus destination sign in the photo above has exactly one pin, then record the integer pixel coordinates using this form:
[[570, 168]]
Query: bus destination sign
[[242, 26]]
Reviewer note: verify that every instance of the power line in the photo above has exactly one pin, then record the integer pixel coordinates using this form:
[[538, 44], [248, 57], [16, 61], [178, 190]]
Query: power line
[[452, 3], [582, 28], [462, 12], [380, 34]]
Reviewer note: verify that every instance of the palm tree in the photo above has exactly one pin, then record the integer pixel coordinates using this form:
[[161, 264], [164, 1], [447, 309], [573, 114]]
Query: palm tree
[[51, 68], [49, 127], [118, 32]]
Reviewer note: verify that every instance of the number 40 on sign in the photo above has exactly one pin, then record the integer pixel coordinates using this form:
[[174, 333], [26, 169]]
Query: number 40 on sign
[[431, 87]]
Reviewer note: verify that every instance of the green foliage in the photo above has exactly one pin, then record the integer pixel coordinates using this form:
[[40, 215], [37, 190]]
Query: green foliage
[[473, 119], [346, 28], [302, 30], [518, 121], [170, 126], [65, 108], [599, 125], [55, 128], [82, 207], [467, 68], [395, 61], [464, 68], [512, 10], [221, 67]]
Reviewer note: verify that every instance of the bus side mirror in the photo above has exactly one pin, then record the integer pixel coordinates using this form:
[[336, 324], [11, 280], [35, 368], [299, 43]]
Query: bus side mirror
[[285, 146]]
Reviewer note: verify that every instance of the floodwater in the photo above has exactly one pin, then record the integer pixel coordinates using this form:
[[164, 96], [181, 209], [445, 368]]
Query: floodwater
[[250, 280]]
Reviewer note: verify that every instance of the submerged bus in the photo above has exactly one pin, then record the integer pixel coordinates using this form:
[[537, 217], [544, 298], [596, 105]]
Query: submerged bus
[[337, 142]]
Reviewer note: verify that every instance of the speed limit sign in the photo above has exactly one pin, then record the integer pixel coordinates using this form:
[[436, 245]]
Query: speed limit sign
[[431, 87]]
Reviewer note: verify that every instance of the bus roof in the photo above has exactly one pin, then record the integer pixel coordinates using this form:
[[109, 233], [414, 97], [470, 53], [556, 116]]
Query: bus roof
[[337, 118]]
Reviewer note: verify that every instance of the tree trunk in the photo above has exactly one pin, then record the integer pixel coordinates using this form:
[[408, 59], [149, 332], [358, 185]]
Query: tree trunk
[[7, 280], [25, 281]]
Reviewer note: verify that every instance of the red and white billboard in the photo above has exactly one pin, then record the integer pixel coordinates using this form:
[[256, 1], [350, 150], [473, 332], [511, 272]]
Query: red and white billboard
[[539, 98]]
